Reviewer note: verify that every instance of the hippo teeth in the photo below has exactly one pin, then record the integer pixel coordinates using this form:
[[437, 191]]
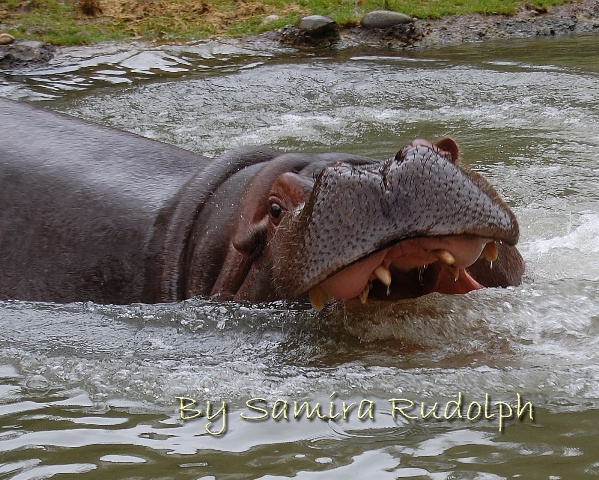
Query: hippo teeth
[[448, 260], [445, 257], [490, 252], [455, 271], [364, 294], [318, 297], [383, 274]]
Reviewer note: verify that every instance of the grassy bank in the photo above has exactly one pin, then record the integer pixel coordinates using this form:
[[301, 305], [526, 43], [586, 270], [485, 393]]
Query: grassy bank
[[72, 22]]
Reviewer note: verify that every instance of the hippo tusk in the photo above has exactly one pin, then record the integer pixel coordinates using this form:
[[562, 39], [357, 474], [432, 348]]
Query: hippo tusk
[[318, 298], [383, 274], [455, 271], [448, 261], [446, 257], [364, 294], [490, 252]]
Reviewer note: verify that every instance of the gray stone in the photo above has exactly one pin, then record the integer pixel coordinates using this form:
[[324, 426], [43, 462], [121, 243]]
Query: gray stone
[[5, 39], [317, 24], [313, 31], [384, 19]]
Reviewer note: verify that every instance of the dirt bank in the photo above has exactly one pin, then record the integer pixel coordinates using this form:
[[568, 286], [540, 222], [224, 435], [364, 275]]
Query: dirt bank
[[569, 19]]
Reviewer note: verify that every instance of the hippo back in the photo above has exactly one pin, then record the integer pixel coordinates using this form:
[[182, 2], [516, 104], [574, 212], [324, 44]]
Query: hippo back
[[78, 206]]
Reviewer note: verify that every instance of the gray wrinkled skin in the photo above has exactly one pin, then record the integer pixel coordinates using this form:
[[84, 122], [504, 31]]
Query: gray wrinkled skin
[[354, 211]]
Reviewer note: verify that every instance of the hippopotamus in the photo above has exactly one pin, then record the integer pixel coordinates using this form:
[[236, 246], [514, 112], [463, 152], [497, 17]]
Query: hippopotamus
[[91, 213]]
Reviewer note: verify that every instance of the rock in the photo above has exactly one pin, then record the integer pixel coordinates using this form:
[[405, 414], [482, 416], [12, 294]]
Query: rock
[[269, 19], [22, 53], [317, 25], [384, 19], [6, 39], [313, 31]]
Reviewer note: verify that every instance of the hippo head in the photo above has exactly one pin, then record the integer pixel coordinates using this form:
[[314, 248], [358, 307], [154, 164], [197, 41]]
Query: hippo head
[[409, 226], [414, 224]]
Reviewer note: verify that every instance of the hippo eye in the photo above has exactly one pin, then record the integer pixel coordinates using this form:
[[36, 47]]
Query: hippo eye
[[275, 210]]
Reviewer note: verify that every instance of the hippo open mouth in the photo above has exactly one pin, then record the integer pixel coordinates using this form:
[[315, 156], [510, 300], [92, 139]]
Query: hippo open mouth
[[408, 269], [412, 225]]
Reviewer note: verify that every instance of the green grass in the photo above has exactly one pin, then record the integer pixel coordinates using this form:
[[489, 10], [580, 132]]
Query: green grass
[[62, 21]]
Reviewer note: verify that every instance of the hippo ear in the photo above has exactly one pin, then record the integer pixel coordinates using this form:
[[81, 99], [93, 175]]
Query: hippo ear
[[450, 148]]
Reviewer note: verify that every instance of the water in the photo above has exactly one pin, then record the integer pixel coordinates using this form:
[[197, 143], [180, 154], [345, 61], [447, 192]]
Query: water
[[96, 391]]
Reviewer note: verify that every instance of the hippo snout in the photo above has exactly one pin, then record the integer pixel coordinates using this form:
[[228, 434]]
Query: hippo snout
[[355, 211]]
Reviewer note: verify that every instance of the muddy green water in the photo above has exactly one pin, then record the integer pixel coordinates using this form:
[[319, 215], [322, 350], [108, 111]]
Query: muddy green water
[[94, 391]]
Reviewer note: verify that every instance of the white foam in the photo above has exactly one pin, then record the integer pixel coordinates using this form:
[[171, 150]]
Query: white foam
[[572, 255]]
